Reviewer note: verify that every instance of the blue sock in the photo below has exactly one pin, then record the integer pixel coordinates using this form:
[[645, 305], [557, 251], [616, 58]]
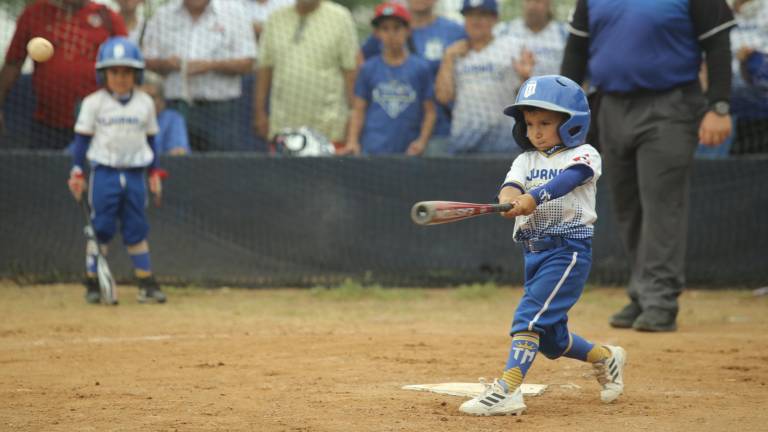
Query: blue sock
[[524, 347], [141, 264], [583, 350]]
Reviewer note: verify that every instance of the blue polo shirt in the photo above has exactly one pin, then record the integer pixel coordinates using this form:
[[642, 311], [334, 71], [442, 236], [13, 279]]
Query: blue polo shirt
[[646, 44]]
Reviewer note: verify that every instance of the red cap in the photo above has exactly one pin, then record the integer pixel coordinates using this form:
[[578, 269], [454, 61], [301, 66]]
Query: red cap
[[391, 9]]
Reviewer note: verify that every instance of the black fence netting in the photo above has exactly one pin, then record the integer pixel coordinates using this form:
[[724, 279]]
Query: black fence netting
[[254, 220]]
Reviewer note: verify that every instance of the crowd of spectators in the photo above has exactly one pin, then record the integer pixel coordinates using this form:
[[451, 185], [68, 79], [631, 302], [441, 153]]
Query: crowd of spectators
[[235, 71]]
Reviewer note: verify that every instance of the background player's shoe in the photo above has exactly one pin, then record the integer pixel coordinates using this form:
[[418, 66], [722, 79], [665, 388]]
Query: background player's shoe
[[495, 401], [656, 320], [626, 317], [92, 292], [610, 373], [149, 291]]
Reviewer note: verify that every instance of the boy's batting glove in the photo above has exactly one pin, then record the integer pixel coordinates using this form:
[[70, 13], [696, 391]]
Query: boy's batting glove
[[76, 182]]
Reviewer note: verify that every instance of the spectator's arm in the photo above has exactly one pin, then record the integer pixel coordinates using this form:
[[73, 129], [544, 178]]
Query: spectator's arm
[[163, 66], [576, 54], [356, 121], [8, 76], [260, 92], [445, 85], [240, 66], [427, 125], [349, 86]]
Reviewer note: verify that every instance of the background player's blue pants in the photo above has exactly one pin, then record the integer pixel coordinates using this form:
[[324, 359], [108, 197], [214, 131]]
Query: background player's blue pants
[[554, 281], [118, 194]]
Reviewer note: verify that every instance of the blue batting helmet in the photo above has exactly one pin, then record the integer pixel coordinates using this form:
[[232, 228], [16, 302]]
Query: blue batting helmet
[[553, 93], [119, 51]]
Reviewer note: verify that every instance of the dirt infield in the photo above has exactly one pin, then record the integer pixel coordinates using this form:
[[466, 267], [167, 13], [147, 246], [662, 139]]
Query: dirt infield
[[300, 360]]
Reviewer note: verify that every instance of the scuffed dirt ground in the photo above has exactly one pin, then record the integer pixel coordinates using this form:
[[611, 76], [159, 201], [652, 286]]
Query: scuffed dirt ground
[[300, 360]]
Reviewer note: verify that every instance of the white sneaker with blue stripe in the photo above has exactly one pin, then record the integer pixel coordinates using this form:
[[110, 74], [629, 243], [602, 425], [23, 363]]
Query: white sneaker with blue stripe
[[495, 401]]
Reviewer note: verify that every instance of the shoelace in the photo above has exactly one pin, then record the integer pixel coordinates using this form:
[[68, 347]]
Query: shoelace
[[601, 372]]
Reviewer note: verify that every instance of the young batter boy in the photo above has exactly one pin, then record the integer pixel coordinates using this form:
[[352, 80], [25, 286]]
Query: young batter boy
[[552, 188], [115, 132], [393, 110]]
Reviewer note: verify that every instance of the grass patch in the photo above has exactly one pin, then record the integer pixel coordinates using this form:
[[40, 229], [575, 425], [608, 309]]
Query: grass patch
[[350, 290], [477, 291]]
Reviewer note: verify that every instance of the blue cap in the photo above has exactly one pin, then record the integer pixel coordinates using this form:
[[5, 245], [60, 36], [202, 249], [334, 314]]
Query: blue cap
[[485, 5]]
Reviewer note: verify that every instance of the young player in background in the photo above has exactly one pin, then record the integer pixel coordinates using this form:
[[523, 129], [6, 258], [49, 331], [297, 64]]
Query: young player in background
[[115, 132], [552, 188], [393, 110]]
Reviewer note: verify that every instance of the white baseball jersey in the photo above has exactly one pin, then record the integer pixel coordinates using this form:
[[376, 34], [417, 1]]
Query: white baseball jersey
[[119, 130], [570, 216], [485, 85]]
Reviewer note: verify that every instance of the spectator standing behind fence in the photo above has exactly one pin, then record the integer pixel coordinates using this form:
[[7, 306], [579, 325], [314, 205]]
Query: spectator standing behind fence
[[134, 23], [652, 115], [393, 110], [749, 104], [203, 48], [76, 28], [172, 138], [430, 36], [307, 67], [478, 75], [260, 10], [541, 36]]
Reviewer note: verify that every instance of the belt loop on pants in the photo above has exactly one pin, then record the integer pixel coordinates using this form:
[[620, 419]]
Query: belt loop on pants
[[542, 244]]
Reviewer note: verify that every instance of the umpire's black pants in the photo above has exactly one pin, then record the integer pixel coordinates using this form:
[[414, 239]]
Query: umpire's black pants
[[648, 140]]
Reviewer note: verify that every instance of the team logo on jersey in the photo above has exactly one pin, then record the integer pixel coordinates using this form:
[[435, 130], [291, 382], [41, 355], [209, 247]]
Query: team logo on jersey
[[529, 89], [433, 49], [394, 97]]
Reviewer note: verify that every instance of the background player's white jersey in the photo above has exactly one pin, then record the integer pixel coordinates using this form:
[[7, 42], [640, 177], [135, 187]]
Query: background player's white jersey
[[571, 215], [485, 83], [547, 45], [119, 130]]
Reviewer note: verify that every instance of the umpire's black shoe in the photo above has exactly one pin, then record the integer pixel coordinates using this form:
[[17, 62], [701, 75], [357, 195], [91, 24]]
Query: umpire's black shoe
[[149, 291], [656, 320], [92, 291], [626, 317]]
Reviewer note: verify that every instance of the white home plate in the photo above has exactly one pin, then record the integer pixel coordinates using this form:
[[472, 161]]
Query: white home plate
[[470, 389]]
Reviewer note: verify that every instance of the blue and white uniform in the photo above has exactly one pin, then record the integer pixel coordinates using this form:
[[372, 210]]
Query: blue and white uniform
[[119, 154], [562, 227]]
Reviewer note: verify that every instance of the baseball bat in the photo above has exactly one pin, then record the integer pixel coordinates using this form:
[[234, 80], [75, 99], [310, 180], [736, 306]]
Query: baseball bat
[[104, 275], [440, 212]]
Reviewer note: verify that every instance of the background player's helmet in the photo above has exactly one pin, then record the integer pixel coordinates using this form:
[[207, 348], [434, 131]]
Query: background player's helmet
[[302, 141], [119, 51], [554, 93]]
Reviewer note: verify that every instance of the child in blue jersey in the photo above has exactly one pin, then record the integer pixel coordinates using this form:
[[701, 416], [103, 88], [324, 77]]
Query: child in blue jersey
[[115, 132], [431, 34], [393, 111], [552, 187]]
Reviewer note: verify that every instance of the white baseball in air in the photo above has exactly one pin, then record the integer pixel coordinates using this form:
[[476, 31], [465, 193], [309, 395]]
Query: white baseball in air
[[39, 49]]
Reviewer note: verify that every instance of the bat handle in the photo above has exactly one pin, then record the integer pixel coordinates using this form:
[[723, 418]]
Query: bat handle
[[502, 208]]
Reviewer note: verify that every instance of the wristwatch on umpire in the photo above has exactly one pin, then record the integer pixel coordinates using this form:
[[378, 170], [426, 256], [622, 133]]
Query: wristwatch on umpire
[[722, 108]]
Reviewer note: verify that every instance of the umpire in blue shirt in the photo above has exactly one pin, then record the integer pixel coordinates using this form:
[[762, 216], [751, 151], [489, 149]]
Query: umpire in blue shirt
[[644, 58]]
